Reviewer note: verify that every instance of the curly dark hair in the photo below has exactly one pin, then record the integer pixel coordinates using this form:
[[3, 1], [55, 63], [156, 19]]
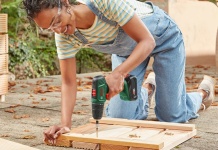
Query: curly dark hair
[[33, 7]]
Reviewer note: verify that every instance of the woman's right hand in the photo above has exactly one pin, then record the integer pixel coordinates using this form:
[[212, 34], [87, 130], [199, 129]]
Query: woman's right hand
[[53, 132], [115, 82]]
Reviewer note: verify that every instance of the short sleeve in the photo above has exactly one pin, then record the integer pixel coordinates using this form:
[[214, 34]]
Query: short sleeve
[[67, 47], [120, 11]]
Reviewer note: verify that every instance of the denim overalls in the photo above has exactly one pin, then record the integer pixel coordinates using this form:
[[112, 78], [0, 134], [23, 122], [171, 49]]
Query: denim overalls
[[172, 102]]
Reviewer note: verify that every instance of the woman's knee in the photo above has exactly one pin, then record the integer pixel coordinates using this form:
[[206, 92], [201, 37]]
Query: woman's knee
[[167, 115]]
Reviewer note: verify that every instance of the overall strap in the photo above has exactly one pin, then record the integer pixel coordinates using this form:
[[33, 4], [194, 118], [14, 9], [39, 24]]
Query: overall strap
[[100, 15], [80, 37]]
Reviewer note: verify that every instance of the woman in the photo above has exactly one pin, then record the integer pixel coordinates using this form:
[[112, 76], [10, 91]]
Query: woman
[[132, 32]]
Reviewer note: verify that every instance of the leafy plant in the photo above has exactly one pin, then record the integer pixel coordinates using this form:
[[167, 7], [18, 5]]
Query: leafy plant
[[89, 60], [30, 55], [33, 55]]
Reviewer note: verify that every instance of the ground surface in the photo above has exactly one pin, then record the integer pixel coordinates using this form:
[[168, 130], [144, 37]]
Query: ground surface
[[33, 105]]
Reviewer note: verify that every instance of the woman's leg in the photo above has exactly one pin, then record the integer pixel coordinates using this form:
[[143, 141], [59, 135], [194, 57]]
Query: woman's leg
[[172, 102], [138, 109]]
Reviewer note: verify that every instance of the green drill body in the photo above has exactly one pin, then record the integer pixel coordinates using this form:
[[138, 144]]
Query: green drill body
[[100, 93]]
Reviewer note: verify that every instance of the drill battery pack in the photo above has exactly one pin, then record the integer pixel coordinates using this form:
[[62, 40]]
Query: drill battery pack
[[129, 92]]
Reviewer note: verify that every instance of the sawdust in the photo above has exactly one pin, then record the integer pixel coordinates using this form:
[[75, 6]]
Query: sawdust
[[134, 136], [169, 133]]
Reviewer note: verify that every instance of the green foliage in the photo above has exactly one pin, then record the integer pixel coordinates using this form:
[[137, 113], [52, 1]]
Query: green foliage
[[89, 60], [32, 55], [14, 15], [27, 50]]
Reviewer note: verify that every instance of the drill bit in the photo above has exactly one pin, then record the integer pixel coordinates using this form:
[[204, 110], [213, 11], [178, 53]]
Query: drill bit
[[96, 128]]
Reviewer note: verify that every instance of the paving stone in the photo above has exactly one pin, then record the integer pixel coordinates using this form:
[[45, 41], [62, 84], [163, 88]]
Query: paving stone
[[39, 111]]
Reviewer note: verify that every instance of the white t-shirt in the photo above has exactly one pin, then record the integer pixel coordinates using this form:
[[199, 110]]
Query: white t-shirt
[[101, 32]]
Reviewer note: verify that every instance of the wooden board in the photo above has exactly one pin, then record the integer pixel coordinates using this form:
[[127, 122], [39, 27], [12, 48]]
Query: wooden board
[[122, 134], [2, 98], [3, 85], [4, 64], [3, 23], [9, 145], [3, 43]]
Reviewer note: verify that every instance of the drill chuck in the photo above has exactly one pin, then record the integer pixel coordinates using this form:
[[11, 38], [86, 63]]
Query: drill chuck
[[97, 110]]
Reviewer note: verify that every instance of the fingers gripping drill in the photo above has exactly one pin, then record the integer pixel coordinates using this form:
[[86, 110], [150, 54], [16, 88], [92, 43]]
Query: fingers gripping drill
[[100, 94]]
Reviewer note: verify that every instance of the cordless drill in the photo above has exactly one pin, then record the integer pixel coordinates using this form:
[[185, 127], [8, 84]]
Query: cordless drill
[[100, 94]]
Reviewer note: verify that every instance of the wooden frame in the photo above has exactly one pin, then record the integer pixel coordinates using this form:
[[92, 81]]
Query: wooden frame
[[122, 134], [3, 56]]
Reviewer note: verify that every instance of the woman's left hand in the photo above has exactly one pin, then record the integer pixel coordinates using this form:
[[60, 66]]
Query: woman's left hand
[[115, 82]]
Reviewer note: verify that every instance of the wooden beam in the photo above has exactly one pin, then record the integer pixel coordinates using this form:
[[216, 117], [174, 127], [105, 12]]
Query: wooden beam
[[112, 141], [3, 84], [9, 145], [61, 143], [169, 144], [3, 23], [136, 148], [147, 124], [2, 97], [83, 145], [3, 44], [113, 147]]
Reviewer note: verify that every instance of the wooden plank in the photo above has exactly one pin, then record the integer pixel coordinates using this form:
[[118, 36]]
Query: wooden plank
[[9, 145], [4, 44], [145, 123], [113, 147], [3, 23], [90, 128], [3, 64], [112, 141], [141, 134], [104, 130], [176, 140], [83, 145], [136, 148], [2, 97], [3, 84], [62, 143]]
